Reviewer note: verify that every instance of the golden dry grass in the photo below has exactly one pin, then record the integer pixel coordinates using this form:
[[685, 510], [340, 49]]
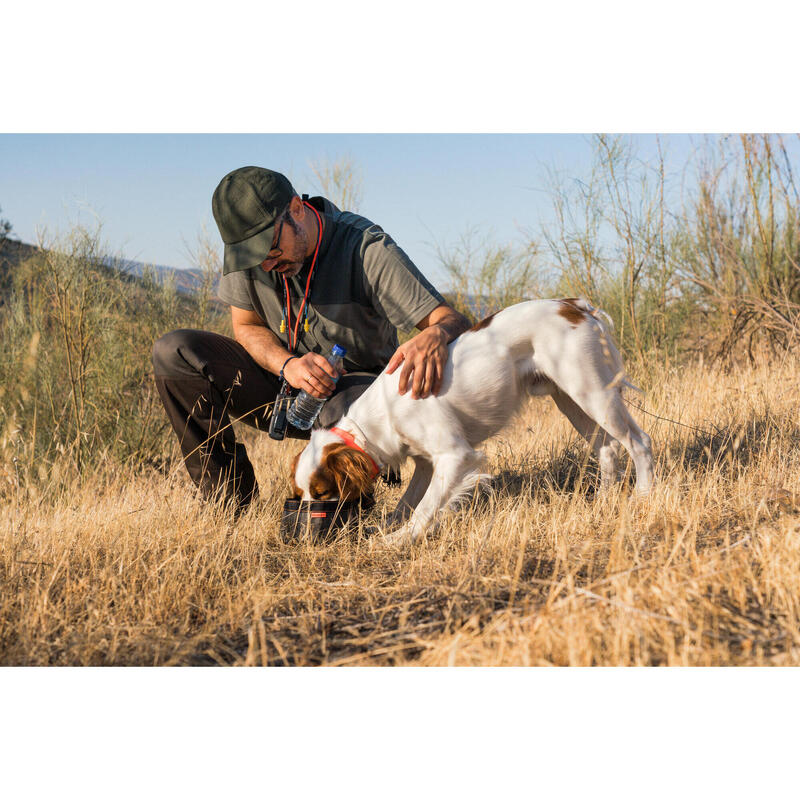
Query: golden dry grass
[[130, 569]]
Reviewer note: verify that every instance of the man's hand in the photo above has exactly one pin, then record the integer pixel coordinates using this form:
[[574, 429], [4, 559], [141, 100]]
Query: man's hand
[[425, 355], [422, 357], [313, 373]]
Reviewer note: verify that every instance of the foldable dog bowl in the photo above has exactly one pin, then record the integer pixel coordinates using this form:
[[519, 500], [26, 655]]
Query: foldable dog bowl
[[319, 520]]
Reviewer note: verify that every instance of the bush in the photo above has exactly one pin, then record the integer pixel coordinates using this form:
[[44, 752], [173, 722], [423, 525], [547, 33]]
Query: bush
[[76, 387], [713, 268]]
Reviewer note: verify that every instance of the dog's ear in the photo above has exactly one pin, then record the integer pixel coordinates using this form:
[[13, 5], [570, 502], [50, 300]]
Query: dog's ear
[[292, 471], [351, 470]]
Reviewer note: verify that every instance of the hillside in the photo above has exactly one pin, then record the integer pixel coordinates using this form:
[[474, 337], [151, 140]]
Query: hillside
[[12, 253], [187, 281]]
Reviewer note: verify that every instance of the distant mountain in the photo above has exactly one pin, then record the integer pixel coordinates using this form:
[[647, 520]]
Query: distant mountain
[[187, 281]]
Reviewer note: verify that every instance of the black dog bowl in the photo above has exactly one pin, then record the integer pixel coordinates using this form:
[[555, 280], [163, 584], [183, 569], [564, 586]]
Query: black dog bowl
[[319, 520]]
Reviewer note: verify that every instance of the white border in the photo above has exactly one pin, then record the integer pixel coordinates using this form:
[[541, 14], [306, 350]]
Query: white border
[[399, 733], [358, 66]]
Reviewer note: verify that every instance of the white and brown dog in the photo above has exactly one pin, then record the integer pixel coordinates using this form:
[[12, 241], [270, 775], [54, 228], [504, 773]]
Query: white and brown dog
[[560, 348]]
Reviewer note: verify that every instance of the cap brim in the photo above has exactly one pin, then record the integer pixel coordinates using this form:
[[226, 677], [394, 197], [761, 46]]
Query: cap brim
[[249, 252]]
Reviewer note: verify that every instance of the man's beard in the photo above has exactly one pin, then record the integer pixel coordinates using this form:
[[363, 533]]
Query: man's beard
[[291, 263]]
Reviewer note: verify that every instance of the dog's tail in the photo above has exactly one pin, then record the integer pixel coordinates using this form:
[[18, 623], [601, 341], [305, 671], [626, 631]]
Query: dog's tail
[[584, 305], [620, 380]]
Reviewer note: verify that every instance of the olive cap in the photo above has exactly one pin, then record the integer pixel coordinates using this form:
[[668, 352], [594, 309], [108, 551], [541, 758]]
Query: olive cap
[[246, 205]]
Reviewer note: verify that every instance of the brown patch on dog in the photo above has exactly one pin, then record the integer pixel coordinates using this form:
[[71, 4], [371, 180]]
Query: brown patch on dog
[[484, 323], [571, 312], [296, 492], [344, 472]]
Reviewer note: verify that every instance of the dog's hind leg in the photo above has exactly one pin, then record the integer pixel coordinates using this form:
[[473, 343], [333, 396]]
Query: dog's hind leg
[[606, 448], [589, 370], [417, 486], [608, 410]]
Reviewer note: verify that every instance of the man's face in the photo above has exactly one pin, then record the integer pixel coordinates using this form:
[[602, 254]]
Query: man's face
[[292, 242]]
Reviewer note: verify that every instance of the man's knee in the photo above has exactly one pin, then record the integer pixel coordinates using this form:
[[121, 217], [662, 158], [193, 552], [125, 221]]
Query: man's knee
[[170, 353]]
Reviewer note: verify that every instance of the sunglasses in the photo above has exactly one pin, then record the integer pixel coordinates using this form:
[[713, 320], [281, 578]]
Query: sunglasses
[[276, 252]]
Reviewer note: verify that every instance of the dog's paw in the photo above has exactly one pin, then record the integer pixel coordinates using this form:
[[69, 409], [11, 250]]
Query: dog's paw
[[402, 537]]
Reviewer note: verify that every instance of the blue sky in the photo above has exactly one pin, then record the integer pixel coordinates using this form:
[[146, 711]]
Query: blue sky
[[574, 66], [152, 192]]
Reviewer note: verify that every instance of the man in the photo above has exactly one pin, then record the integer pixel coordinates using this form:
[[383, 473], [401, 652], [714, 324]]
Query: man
[[300, 276]]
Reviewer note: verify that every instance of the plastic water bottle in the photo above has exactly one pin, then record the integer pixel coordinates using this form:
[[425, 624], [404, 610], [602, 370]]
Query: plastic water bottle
[[306, 407]]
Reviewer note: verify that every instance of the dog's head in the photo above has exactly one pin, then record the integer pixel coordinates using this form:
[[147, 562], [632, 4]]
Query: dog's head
[[328, 469]]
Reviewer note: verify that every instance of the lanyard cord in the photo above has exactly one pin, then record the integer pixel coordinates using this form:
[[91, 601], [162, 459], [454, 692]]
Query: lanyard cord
[[303, 312]]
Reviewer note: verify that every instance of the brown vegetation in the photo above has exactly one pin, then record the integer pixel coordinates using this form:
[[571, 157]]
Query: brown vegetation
[[129, 569]]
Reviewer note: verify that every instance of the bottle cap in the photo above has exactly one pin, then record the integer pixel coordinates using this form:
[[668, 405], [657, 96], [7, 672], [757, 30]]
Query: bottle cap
[[338, 350]]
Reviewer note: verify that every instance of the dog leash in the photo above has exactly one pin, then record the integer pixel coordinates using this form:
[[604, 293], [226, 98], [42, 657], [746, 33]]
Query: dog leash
[[672, 421]]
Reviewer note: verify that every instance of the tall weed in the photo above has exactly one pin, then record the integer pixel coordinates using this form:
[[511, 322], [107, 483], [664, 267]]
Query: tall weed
[[76, 390]]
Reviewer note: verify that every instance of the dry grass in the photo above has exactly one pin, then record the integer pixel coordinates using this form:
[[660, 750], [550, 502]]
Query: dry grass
[[129, 569]]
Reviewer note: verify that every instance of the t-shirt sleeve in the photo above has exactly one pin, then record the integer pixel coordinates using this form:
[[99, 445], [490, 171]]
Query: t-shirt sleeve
[[233, 290], [397, 289]]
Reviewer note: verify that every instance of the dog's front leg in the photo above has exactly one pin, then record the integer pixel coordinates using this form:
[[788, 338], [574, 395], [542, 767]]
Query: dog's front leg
[[449, 473], [417, 486]]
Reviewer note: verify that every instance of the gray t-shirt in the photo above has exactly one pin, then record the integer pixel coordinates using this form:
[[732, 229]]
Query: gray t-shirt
[[364, 288]]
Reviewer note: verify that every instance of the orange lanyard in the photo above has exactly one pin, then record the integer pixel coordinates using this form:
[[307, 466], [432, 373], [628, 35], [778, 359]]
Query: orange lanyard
[[303, 312]]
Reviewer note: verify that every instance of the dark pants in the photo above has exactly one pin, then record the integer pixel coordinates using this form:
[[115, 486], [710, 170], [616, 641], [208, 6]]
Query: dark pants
[[204, 380]]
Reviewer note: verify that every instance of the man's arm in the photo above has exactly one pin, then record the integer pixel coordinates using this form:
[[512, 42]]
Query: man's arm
[[448, 319], [425, 355], [311, 372]]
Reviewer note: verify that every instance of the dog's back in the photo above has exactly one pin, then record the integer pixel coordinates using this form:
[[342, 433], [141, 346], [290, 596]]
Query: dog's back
[[515, 353]]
